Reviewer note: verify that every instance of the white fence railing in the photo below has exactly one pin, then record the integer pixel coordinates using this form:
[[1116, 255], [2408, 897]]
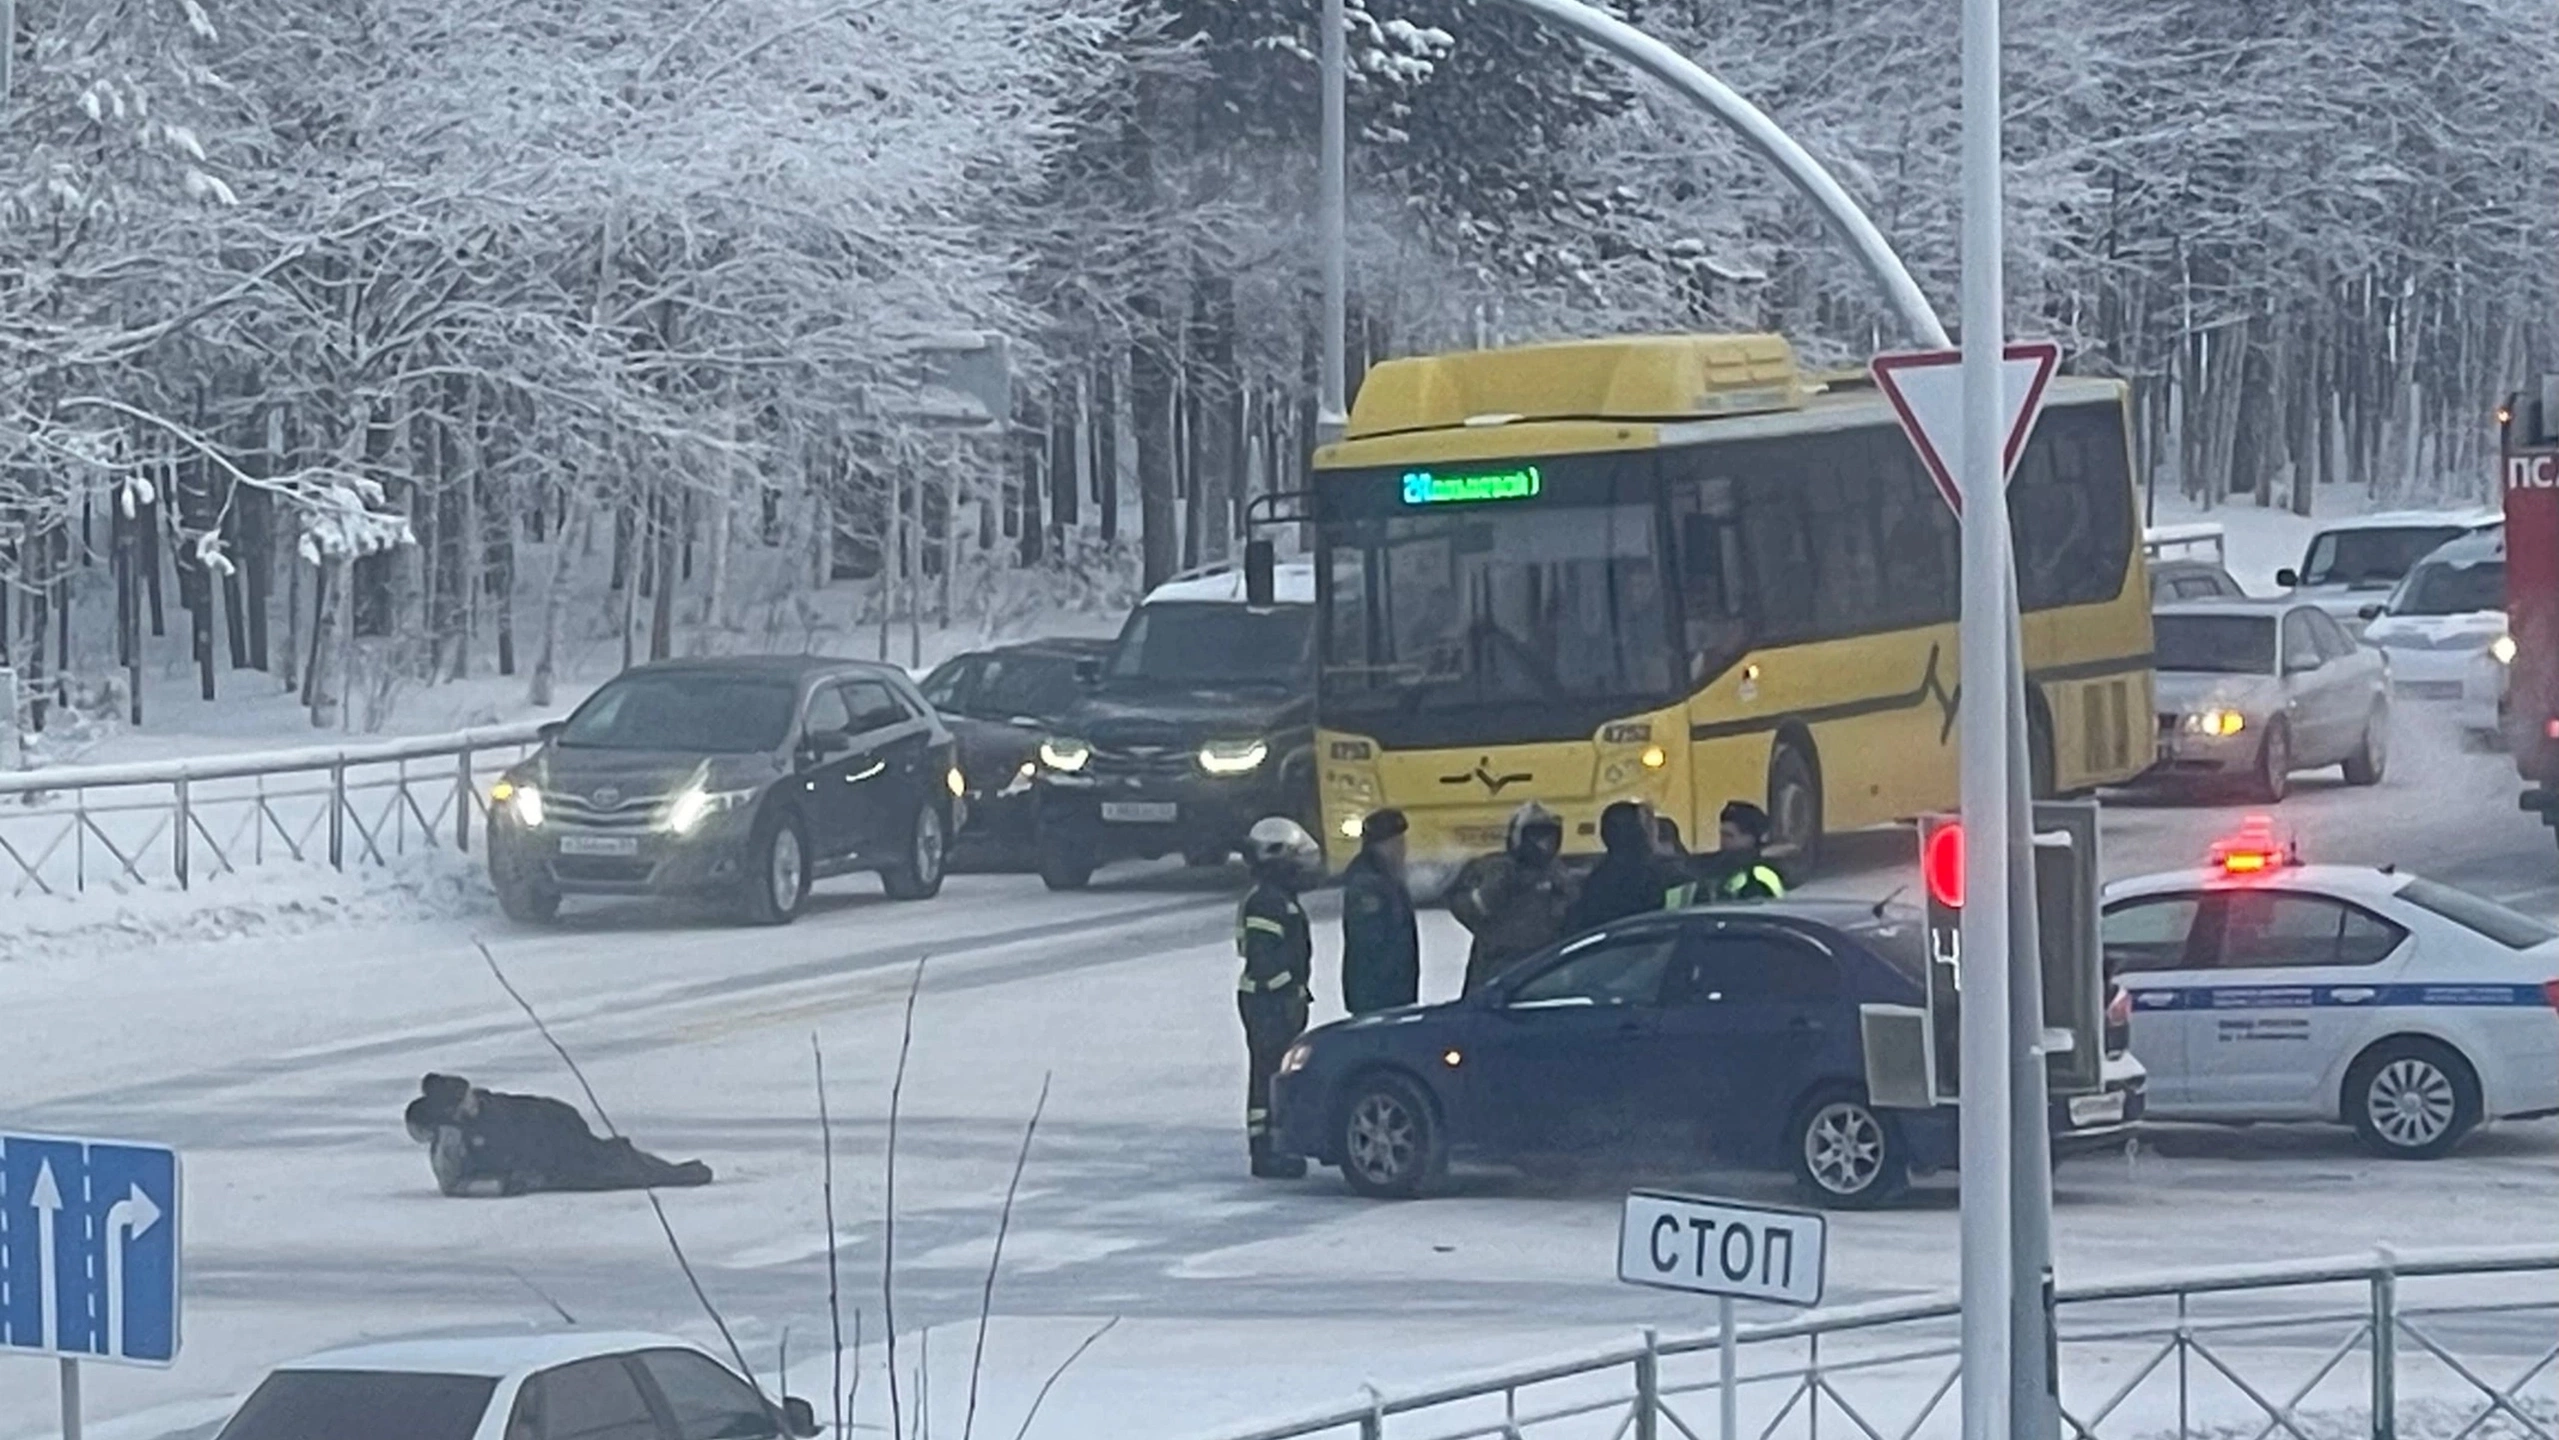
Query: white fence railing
[[2451, 1341], [66, 829]]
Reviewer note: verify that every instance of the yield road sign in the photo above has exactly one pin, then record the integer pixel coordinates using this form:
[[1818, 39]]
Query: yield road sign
[[1927, 391], [1719, 1247], [88, 1249]]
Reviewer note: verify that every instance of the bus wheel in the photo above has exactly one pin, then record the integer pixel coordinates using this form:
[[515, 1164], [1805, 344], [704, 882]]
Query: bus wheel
[[1794, 806]]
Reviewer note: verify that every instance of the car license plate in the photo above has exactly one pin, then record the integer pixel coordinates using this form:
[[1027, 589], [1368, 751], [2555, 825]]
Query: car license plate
[[2106, 1109], [625, 845], [1140, 812]]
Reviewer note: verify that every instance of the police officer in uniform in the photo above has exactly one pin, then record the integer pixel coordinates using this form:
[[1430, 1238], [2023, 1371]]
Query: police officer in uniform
[[1279, 974], [1740, 872], [1381, 943]]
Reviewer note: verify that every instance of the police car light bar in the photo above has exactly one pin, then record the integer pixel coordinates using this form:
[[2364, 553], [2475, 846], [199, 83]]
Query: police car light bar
[[2254, 849]]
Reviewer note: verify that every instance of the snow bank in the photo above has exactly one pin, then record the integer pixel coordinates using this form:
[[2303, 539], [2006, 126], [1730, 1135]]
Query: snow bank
[[272, 901]]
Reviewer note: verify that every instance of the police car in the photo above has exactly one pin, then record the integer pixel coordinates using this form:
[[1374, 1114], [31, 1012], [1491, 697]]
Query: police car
[[2265, 989]]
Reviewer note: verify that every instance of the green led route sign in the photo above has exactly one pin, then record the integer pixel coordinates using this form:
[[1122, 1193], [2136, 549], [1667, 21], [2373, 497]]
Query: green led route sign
[[1431, 487]]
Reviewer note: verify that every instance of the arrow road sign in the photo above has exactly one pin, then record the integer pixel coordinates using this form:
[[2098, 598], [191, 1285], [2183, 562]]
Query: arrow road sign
[[1927, 391], [88, 1249]]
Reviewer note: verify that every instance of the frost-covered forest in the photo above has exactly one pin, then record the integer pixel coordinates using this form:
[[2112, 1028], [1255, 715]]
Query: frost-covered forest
[[399, 340]]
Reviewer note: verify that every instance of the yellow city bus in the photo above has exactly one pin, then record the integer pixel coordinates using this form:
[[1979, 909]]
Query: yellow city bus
[[1677, 569]]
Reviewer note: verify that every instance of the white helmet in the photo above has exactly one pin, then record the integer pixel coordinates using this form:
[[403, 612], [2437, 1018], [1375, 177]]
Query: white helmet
[[1276, 839]]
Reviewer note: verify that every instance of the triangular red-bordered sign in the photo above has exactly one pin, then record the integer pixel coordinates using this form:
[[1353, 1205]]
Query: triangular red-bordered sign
[[1927, 393]]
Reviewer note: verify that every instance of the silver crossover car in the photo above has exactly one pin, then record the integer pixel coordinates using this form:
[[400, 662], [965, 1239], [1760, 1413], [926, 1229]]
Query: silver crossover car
[[2253, 690]]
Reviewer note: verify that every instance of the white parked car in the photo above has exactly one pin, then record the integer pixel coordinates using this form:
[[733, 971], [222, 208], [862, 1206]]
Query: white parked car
[[2449, 610], [591, 1385], [2267, 990], [2355, 562]]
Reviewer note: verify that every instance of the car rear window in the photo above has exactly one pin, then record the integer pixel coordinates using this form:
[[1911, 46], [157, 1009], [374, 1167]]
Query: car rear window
[[1901, 938], [373, 1404], [2510, 928]]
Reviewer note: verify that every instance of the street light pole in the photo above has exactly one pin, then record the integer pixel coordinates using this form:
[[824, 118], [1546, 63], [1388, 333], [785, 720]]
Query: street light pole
[[1332, 411], [1986, 1076]]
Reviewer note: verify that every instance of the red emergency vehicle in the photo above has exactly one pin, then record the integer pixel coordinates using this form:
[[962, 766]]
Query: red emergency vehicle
[[2528, 454]]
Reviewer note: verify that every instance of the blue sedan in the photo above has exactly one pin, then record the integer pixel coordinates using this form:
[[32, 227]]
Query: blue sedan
[[1724, 1033]]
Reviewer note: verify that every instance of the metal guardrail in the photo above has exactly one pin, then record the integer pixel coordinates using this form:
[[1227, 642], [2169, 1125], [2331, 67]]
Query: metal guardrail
[[64, 830], [2243, 1353]]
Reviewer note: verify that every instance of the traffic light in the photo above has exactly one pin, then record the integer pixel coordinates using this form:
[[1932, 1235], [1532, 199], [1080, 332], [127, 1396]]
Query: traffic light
[[1941, 873], [2074, 987]]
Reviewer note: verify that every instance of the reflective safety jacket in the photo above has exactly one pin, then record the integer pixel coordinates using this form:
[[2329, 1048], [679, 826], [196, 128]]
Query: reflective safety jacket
[[1272, 940]]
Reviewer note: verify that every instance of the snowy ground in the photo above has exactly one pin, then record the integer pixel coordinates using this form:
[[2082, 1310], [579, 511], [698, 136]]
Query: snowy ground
[[278, 1063]]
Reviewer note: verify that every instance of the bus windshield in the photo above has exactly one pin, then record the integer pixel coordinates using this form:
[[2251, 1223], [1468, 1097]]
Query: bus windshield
[[1499, 606]]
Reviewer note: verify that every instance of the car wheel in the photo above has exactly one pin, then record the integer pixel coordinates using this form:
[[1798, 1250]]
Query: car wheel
[[1846, 1154], [918, 876], [1063, 869], [2364, 767], [1390, 1138], [1795, 805], [2274, 764], [2411, 1099], [522, 898], [776, 882]]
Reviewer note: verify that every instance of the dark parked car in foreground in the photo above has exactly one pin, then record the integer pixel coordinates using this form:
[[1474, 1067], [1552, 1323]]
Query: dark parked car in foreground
[[743, 778], [1723, 1033], [999, 703]]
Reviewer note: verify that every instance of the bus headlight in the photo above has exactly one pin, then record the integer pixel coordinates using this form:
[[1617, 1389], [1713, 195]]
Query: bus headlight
[[2503, 648], [1353, 824], [523, 801], [1233, 757], [1065, 754], [1654, 757]]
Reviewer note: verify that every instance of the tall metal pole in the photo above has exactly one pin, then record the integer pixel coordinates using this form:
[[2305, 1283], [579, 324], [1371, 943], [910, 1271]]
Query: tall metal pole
[[2034, 1411], [1332, 410], [1986, 1070], [70, 1372]]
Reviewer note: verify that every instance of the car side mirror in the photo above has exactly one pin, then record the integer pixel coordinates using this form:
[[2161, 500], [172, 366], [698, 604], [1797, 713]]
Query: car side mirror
[[2370, 612], [800, 1418], [1088, 670], [2301, 664], [550, 729], [2288, 577]]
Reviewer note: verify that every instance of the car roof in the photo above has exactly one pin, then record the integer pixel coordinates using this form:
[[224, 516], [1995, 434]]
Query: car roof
[[495, 1354], [1291, 584], [2470, 519], [2358, 881], [2469, 549], [2185, 534], [1060, 647], [789, 667], [2247, 605]]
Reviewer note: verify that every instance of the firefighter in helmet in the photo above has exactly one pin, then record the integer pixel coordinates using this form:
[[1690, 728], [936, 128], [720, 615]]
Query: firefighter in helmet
[[1277, 985]]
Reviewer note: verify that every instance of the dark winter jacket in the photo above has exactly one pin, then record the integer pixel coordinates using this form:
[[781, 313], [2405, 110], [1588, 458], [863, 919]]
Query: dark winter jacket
[[1629, 880], [1272, 940], [1381, 943]]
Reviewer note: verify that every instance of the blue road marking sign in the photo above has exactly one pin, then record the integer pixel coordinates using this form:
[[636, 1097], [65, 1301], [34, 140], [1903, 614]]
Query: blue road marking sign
[[89, 1234]]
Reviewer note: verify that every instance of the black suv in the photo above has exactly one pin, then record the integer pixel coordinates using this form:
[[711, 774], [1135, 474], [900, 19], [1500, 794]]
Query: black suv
[[743, 778], [1200, 721], [1000, 703]]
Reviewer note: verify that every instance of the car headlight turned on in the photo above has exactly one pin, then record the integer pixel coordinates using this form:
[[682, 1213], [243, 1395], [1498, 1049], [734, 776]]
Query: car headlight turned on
[[2503, 648], [1296, 1058], [1234, 757], [2216, 722], [522, 801], [695, 804], [1065, 754], [958, 782]]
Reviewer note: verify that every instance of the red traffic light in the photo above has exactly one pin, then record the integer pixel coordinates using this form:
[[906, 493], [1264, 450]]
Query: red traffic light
[[1941, 865]]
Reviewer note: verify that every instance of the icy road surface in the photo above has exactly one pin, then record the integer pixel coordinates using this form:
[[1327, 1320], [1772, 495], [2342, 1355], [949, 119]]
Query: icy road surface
[[279, 1067]]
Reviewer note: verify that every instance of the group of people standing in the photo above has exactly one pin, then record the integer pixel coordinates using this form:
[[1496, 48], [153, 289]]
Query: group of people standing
[[1514, 903]]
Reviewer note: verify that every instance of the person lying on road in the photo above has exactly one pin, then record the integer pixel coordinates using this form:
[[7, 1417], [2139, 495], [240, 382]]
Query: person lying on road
[[487, 1142]]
